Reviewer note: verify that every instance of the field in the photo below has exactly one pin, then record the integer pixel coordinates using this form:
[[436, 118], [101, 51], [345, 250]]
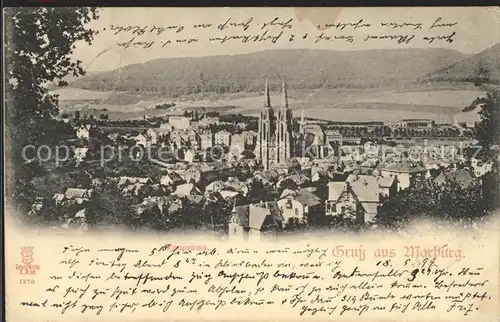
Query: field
[[441, 103]]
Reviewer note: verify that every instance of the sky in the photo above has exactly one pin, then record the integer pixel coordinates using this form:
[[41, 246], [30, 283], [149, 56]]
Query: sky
[[476, 29]]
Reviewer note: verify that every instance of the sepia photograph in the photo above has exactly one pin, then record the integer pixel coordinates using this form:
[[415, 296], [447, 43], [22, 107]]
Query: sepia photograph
[[248, 127]]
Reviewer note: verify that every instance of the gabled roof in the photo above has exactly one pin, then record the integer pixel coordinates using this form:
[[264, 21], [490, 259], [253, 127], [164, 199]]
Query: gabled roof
[[264, 213], [175, 177], [403, 168], [132, 180], [258, 216], [307, 198], [371, 163], [267, 175], [298, 178], [81, 213], [215, 185], [386, 182], [228, 194], [85, 127], [365, 187], [77, 193], [235, 183], [186, 190], [463, 177], [335, 189], [304, 196]]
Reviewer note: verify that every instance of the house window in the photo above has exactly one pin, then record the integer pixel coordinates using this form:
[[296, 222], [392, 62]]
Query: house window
[[296, 212], [342, 209]]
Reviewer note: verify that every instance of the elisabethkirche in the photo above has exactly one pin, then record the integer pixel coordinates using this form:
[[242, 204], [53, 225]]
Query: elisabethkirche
[[275, 140]]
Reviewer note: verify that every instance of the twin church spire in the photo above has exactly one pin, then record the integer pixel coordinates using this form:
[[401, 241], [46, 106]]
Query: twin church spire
[[275, 138], [284, 95]]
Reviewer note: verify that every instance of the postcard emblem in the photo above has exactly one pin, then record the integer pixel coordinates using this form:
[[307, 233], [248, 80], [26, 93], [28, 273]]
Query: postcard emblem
[[27, 259]]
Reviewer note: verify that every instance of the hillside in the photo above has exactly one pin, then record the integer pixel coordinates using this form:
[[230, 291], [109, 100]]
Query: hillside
[[483, 67], [302, 68]]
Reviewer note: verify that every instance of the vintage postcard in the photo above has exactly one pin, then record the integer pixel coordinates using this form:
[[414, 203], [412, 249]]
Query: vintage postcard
[[252, 164]]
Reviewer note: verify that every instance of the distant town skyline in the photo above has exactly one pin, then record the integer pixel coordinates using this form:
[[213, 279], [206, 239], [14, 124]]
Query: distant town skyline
[[473, 31]]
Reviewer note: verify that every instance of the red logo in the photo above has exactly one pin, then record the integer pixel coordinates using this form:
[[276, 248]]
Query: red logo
[[27, 260]]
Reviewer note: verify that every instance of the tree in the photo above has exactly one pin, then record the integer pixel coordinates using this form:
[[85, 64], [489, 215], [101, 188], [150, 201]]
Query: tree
[[39, 44], [257, 192], [110, 207], [288, 184], [216, 214], [487, 130], [447, 200]]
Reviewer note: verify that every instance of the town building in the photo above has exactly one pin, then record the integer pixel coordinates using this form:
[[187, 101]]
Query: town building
[[171, 179], [84, 131], [297, 206], [359, 197], [406, 173], [416, 123], [153, 135], [179, 122], [72, 196], [223, 137], [255, 221], [238, 142], [206, 140]]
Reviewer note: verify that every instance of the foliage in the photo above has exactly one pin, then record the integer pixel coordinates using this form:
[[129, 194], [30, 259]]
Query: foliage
[[39, 44], [165, 106], [108, 206], [288, 184], [258, 192], [303, 69], [487, 130], [448, 200]]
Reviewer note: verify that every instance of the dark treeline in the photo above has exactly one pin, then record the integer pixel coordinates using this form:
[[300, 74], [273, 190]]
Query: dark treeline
[[229, 74]]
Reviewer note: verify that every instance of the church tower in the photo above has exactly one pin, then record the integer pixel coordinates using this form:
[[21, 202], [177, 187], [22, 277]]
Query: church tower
[[266, 129], [275, 140], [284, 125]]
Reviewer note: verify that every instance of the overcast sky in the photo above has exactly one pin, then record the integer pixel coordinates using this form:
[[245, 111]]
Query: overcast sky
[[477, 28]]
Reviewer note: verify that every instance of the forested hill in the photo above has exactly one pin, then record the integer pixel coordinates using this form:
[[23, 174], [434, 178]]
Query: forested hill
[[483, 67], [301, 68]]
